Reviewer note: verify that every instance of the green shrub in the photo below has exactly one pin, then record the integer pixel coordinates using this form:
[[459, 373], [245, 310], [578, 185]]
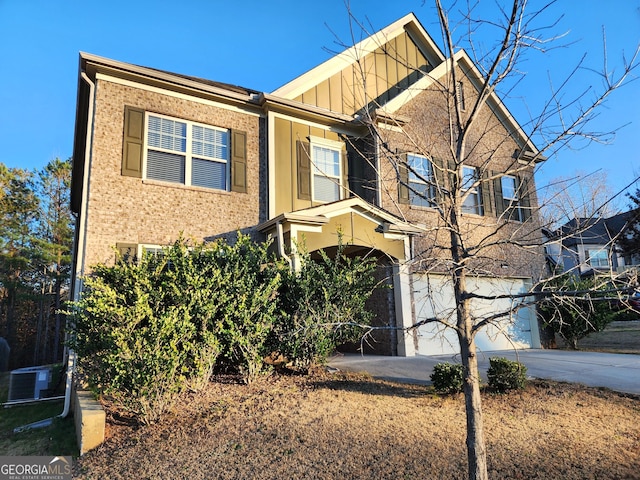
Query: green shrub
[[323, 305], [248, 283], [143, 331], [573, 317], [447, 377], [504, 375], [147, 330]]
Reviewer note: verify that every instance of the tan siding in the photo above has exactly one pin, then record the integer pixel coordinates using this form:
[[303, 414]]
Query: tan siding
[[284, 175], [370, 72], [309, 97], [403, 70], [381, 75], [356, 230], [317, 132], [347, 91], [412, 60], [392, 69], [335, 92], [323, 99]]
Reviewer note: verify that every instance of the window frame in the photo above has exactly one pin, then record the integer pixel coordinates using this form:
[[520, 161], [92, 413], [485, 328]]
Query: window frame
[[188, 154], [475, 191], [512, 205], [336, 147], [428, 184], [599, 258]]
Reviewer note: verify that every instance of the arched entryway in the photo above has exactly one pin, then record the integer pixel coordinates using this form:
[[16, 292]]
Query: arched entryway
[[364, 229]]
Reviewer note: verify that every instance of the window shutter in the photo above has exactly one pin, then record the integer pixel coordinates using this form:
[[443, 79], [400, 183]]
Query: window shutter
[[485, 192], [238, 161], [497, 191], [304, 170], [345, 175], [438, 178], [524, 199], [403, 179], [127, 252], [132, 143]]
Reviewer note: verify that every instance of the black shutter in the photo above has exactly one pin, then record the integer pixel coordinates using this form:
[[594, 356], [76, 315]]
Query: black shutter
[[403, 179], [485, 195], [238, 161], [132, 142], [497, 191], [304, 170]]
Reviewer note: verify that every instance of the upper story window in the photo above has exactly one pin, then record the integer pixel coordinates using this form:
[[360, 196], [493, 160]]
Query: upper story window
[[421, 181], [511, 198], [597, 258], [187, 153], [326, 161], [472, 203]]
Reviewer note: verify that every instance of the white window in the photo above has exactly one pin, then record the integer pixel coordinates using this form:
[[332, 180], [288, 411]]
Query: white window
[[471, 204], [188, 153], [421, 182], [511, 198], [326, 160], [597, 258]]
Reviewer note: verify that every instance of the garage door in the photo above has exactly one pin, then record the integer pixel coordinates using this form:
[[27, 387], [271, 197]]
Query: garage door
[[433, 297]]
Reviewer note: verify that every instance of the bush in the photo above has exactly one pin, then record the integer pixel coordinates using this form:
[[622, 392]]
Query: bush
[[323, 305], [146, 331], [504, 375], [143, 331], [574, 317], [448, 377]]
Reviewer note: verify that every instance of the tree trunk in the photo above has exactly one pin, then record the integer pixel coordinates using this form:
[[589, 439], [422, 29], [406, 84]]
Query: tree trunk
[[476, 449]]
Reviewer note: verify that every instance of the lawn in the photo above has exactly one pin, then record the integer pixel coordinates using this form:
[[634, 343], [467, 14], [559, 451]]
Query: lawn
[[340, 425], [57, 439], [329, 426]]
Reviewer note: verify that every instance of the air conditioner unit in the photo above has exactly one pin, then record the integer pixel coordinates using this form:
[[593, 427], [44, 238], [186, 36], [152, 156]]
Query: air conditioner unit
[[28, 383]]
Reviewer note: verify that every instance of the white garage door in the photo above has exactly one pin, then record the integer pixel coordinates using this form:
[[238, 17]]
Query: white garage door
[[433, 297]]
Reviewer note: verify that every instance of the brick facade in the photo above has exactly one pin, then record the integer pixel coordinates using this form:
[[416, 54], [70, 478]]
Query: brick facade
[[134, 210]]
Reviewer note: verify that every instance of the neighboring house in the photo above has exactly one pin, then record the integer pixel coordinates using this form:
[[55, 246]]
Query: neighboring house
[[158, 153], [587, 246]]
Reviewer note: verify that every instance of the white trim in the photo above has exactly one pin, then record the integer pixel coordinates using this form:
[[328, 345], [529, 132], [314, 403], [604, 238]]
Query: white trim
[[170, 93], [308, 123], [333, 146], [271, 164], [188, 153]]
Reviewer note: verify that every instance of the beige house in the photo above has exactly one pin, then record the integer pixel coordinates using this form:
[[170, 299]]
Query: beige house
[[158, 154]]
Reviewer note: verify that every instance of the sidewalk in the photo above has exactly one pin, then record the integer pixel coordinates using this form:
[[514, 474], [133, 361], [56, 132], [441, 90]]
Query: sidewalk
[[610, 370]]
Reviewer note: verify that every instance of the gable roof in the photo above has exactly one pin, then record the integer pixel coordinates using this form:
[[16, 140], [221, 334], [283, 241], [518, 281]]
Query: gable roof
[[376, 68], [596, 230], [409, 60]]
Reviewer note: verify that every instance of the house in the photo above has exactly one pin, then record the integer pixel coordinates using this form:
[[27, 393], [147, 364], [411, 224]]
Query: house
[[159, 153], [587, 246]]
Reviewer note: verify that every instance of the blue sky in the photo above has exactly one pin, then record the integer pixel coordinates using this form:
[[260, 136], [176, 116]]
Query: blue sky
[[265, 44]]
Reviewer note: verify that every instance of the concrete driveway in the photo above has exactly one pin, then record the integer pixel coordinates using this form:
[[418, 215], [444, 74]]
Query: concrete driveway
[[615, 371]]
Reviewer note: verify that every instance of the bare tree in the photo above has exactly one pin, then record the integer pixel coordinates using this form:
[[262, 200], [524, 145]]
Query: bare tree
[[585, 195], [452, 160]]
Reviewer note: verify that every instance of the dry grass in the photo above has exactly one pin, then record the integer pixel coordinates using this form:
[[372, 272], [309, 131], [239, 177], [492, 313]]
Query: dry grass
[[329, 426]]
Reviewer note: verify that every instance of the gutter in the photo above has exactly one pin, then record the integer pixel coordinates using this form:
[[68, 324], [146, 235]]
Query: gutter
[[79, 254]]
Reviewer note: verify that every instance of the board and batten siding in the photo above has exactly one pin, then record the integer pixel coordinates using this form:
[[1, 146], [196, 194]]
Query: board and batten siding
[[378, 76]]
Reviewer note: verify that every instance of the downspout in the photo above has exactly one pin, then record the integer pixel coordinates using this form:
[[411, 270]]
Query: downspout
[[281, 252], [81, 225]]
